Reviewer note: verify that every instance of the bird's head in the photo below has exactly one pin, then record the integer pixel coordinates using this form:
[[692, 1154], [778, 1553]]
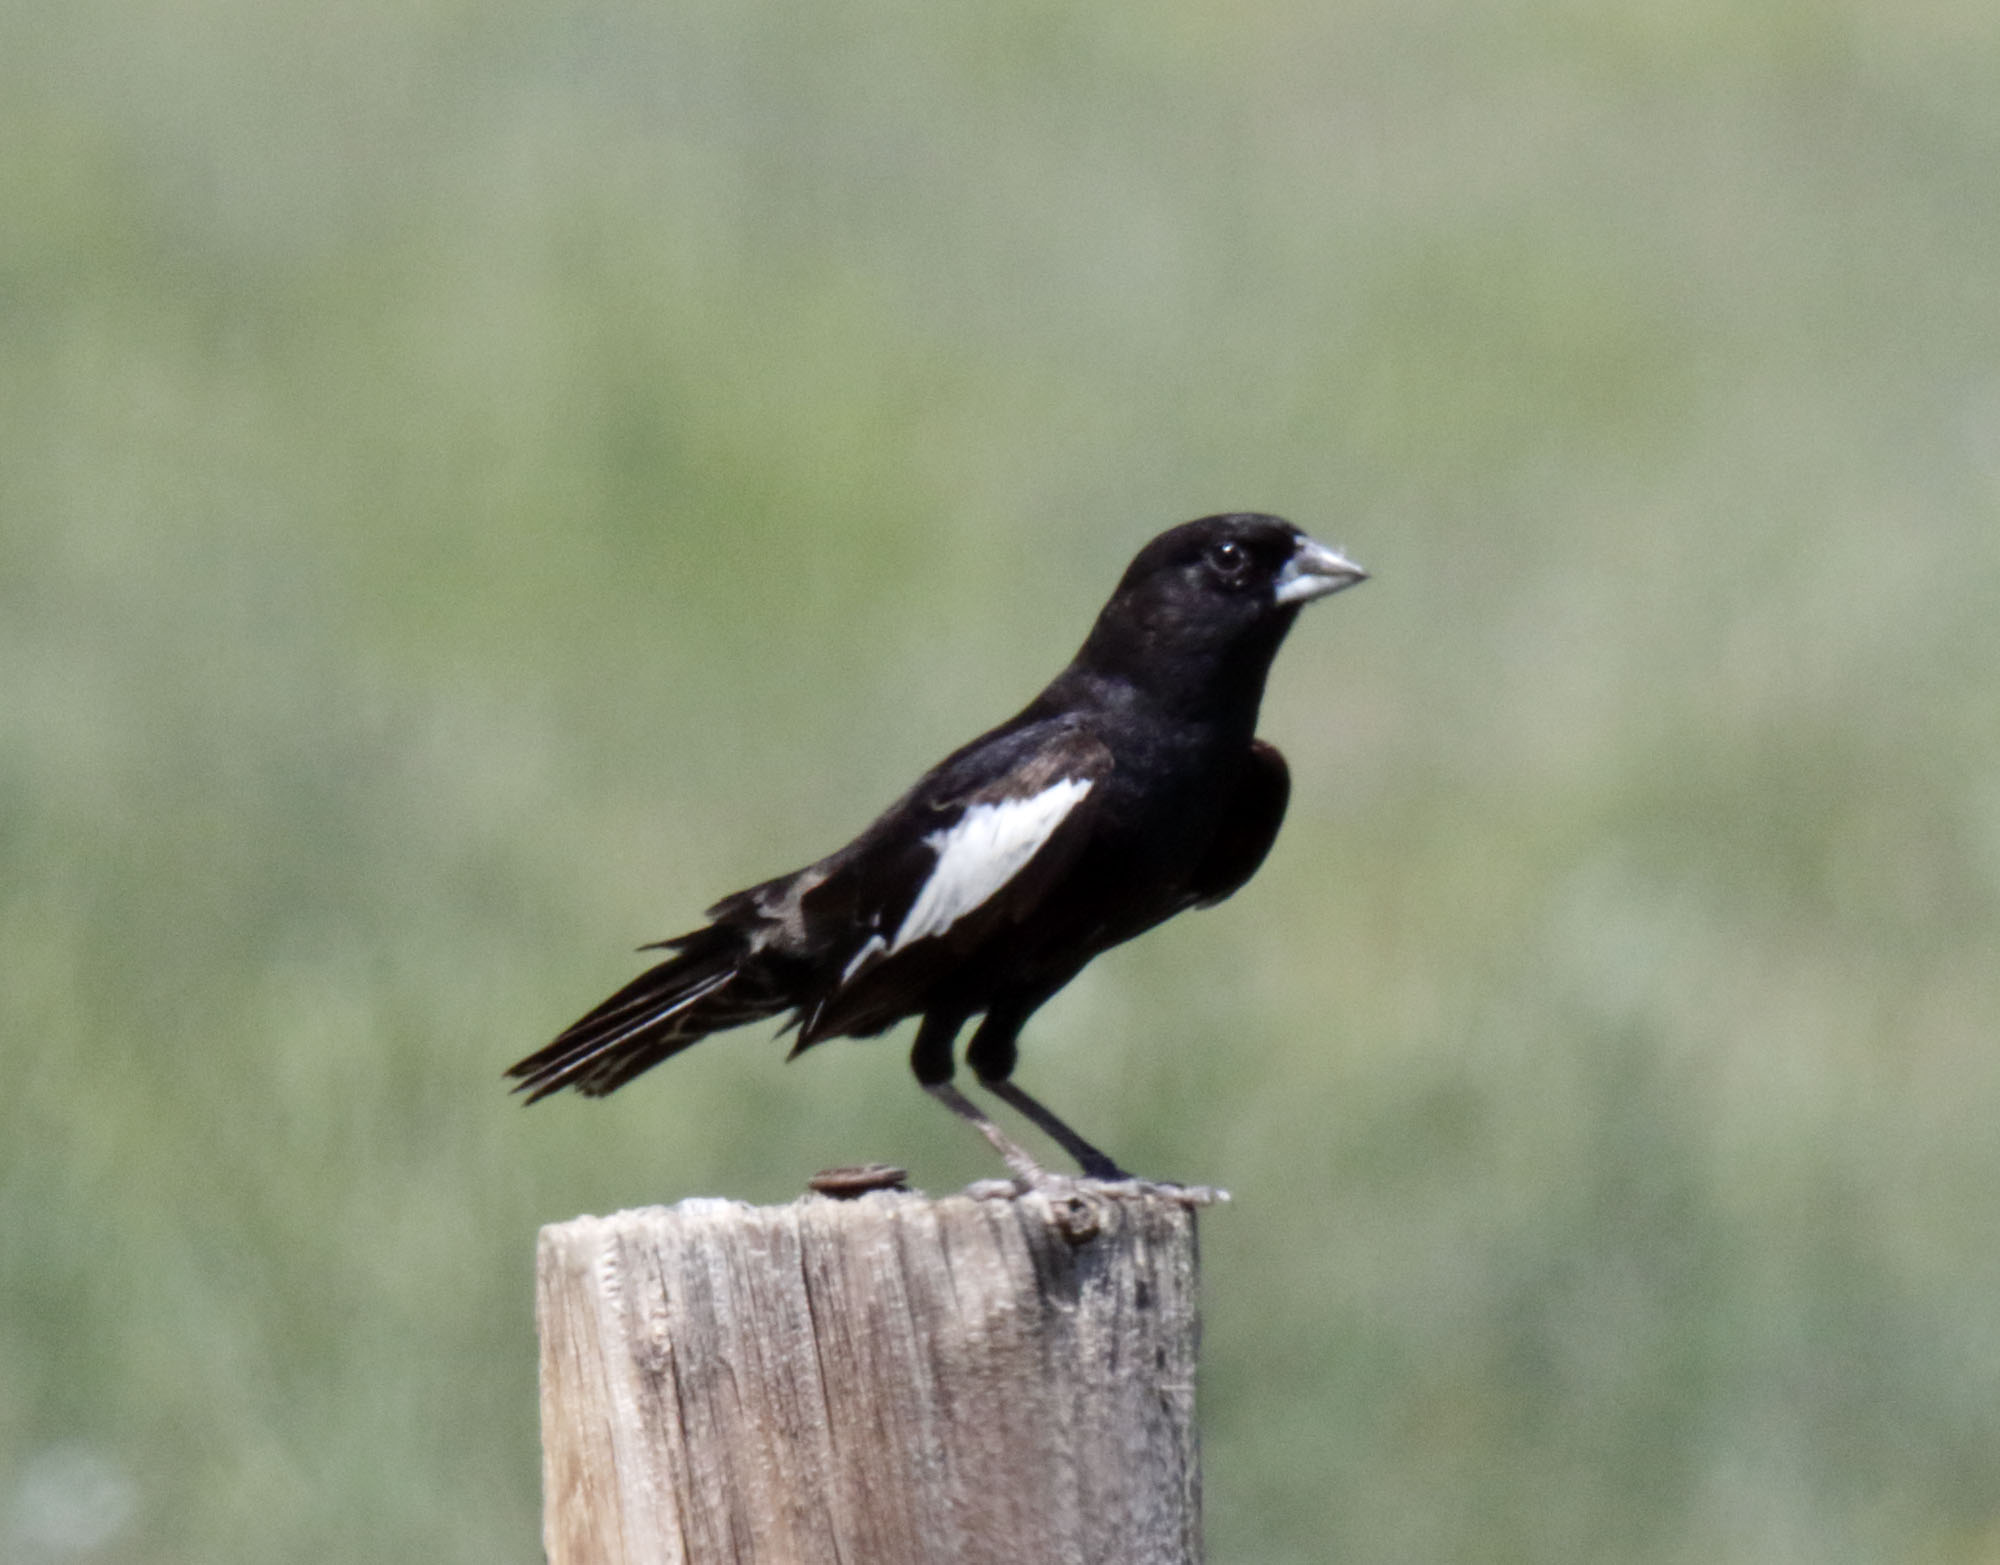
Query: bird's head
[[1211, 600], [1252, 564]]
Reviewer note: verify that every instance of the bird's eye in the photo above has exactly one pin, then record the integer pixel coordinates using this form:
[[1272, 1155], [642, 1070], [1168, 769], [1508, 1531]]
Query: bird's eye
[[1228, 559]]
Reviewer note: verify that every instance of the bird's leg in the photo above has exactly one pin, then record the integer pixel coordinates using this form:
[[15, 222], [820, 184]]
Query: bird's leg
[[1095, 1164], [991, 1055], [1025, 1169], [930, 1058]]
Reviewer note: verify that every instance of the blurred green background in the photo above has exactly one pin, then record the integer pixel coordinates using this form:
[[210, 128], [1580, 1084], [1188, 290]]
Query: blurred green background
[[478, 482]]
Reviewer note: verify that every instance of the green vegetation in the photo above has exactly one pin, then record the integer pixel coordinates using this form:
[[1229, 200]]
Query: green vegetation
[[479, 481]]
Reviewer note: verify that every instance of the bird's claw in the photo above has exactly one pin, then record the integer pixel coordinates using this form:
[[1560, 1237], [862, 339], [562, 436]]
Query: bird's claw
[[1062, 1188]]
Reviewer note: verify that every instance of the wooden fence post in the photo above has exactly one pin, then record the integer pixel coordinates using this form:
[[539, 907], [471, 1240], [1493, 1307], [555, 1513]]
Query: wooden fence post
[[893, 1380]]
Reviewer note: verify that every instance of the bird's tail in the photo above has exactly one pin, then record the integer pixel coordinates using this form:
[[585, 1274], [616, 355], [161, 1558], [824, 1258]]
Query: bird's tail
[[704, 987]]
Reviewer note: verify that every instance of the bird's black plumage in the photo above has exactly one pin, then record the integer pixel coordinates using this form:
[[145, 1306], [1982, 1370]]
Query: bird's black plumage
[[1130, 789]]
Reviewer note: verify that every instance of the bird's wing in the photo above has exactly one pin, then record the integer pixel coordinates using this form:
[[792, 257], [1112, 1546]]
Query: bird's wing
[[976, 845], [1250, 822]]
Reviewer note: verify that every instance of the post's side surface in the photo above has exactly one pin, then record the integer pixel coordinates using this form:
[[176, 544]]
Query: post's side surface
[[895, 1380]]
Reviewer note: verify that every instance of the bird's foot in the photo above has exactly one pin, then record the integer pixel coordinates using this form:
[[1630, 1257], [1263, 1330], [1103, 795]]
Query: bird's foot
[[1130, 1187], [1101, 1178], [1098, 1170], [1190, 1196], [1096, 1165], [1088, 1187]]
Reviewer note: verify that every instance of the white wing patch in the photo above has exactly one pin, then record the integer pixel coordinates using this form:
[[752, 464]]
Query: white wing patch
[[984, 849]]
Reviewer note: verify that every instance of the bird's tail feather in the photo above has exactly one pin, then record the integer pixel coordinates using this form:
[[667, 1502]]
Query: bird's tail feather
[[703, 988]]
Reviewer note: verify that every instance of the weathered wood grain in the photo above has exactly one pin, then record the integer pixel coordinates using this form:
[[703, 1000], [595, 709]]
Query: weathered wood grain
[[884, 1381]]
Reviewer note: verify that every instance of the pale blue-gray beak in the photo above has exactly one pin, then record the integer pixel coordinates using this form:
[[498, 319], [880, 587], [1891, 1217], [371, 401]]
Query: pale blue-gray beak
[[1313, 571]]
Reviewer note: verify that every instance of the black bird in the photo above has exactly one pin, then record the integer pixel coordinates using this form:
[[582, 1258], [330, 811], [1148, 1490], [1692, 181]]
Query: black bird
[[1130, 789]]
